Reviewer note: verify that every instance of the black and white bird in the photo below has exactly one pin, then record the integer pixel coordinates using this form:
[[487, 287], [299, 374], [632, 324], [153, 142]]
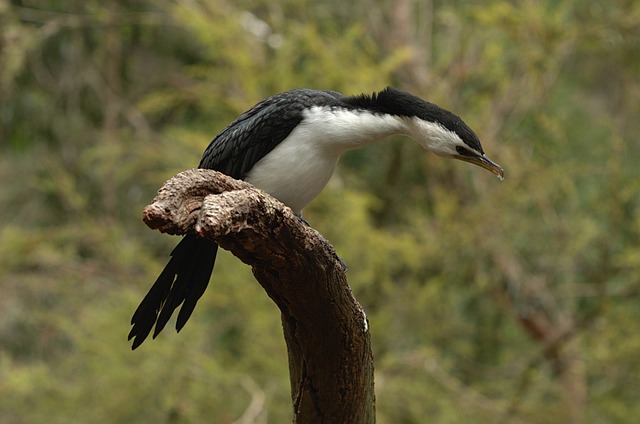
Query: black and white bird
[[288, 145]]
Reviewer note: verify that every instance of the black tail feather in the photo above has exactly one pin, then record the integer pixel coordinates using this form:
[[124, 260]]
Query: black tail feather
[[195, 290], [183, 281]]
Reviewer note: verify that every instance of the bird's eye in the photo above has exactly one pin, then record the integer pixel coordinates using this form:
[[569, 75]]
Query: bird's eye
[[462, 151]]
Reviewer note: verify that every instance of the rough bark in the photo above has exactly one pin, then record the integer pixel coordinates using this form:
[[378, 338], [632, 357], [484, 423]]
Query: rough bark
[[325, 329]]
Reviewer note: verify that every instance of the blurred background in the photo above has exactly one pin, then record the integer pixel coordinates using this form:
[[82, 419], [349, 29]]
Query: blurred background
[[489, 302]]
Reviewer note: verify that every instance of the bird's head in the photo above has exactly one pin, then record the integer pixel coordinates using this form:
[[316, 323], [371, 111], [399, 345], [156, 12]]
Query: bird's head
[[436, 129]]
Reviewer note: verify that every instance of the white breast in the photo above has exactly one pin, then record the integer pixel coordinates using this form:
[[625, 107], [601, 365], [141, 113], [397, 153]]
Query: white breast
[[295, 172], [298, 168]]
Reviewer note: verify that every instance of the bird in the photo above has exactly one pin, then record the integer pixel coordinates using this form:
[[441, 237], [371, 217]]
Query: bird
[[288, 145]]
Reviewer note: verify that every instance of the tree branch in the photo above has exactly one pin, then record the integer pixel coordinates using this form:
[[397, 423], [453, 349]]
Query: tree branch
[[325, 329]]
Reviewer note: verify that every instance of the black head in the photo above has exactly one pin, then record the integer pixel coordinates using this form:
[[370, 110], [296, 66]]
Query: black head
[[436, 129]]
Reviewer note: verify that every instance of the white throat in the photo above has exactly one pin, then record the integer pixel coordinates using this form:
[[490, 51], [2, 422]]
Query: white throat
[[434, 137], [340, 130]]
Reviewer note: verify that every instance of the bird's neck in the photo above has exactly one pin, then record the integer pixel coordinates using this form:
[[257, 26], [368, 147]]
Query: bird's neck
[[345, 129]]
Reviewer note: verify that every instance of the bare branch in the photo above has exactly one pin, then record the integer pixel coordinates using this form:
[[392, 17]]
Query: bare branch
[[326, 331]]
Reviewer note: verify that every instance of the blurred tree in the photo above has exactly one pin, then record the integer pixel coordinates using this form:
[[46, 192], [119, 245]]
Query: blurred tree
[[512, 302]]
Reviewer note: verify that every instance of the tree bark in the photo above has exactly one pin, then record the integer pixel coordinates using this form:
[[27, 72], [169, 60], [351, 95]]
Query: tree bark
[[325, 329]]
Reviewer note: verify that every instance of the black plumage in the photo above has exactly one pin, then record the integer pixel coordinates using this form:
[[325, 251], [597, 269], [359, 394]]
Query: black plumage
[[257, 131]]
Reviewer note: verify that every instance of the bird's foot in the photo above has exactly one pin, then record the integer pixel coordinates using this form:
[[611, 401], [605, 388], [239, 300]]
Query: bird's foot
[[304, 221], [345, 268]]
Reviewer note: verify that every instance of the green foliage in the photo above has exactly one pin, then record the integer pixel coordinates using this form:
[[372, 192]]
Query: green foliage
[[458, 273]]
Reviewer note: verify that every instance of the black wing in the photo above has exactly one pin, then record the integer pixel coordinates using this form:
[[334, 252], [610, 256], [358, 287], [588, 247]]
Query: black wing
[[233, 152], [260, 129]]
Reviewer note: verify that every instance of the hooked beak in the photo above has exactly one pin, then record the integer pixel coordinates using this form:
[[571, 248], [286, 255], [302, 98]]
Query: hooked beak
[[485, 163]]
